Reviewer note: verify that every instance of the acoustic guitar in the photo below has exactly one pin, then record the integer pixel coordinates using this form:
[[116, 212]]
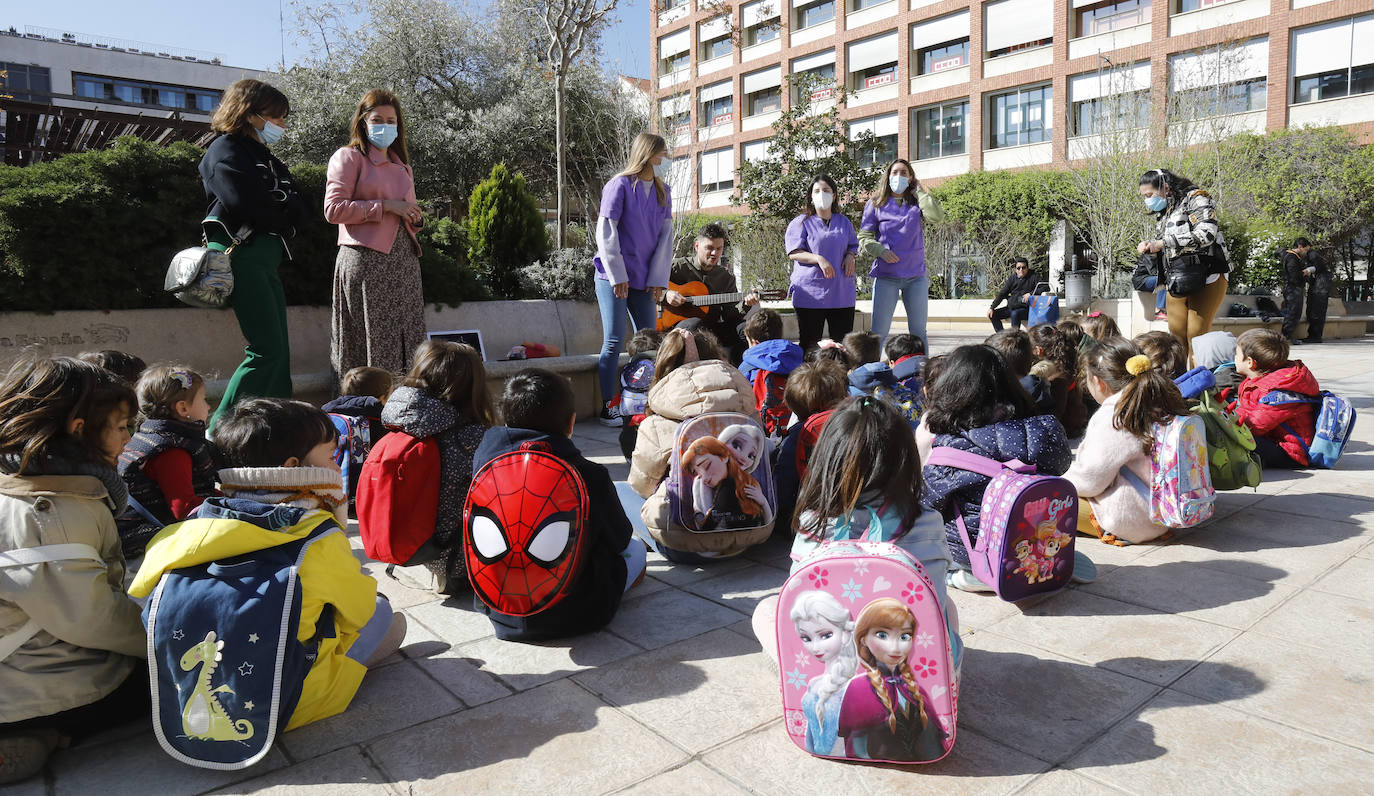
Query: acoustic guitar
[[701, 301]]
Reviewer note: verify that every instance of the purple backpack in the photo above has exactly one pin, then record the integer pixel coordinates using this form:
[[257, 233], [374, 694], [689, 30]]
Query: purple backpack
[[1025, 541]]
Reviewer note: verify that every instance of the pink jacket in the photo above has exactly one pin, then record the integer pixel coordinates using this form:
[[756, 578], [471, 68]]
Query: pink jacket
[[354, 191], [1096, 474]]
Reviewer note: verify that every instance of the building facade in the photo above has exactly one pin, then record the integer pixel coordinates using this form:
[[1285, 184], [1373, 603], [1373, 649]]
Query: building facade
[[966, 85]]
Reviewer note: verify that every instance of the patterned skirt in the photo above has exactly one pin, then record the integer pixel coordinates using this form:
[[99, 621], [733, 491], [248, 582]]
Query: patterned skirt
[[379, 307]]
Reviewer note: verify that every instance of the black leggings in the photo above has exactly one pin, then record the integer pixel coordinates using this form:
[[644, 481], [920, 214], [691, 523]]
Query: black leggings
[[810, 323], [129, 702]]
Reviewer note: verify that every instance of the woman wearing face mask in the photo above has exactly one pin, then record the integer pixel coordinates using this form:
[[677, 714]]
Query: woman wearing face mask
[[379, 309], [1196, 262], [821, 243], [893, 232], [634, 253], [254, 209]]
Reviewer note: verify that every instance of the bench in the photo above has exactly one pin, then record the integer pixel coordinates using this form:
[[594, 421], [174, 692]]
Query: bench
[[1339, 324]]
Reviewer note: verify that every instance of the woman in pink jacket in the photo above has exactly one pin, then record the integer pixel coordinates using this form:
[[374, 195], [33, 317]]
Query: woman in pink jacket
[[379, 308]]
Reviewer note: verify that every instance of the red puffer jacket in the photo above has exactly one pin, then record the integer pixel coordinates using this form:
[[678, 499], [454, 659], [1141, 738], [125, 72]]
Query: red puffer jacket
[[1266, 406]]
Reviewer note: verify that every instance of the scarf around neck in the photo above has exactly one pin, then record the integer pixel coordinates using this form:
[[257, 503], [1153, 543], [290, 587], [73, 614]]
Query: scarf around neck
[[303, 487], [60, 461]]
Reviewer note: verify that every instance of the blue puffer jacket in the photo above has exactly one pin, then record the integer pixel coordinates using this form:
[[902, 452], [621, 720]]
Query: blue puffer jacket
[[1035, 440]]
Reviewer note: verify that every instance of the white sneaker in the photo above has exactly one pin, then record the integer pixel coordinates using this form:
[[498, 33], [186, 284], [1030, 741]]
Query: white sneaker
[[963, 580], [610, 416]]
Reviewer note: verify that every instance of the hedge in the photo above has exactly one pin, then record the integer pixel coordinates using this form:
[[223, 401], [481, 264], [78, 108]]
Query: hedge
[[95, 230]]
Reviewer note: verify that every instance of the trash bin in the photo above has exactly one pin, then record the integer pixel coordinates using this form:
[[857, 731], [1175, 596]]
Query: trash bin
[[1078, 289]]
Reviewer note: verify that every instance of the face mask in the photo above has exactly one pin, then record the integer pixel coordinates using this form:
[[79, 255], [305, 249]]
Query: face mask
[[898, 183], [1155, 203], [381, 135], [823, 200], [270, 133], [661, 170]]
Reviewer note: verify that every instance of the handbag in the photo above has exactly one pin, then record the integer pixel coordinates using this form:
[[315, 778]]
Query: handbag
[[201, 276], [1187, 274], [1044, 310]]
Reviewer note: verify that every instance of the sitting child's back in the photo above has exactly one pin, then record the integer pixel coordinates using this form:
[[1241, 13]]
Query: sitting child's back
[[1277, 398]]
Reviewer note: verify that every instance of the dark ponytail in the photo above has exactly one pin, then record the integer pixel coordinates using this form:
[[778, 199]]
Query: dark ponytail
[[1148, 395]]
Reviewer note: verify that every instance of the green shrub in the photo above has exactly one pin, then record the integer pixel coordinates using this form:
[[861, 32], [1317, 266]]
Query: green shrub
[[505, 231], [448, 277], [566, 274]]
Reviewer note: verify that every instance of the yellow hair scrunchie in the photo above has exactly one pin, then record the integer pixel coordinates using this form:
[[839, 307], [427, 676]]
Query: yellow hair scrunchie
[[1138, 364]]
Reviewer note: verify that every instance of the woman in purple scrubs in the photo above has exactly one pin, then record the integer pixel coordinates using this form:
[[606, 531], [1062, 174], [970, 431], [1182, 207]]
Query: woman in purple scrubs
[[893, 232], [821, 243], [634, 253]]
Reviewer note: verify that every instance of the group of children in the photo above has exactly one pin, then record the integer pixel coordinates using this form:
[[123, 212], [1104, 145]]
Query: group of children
[[821, 443]]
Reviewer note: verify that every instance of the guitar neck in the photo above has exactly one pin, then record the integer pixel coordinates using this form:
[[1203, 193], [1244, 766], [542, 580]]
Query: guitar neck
[[717, 298]]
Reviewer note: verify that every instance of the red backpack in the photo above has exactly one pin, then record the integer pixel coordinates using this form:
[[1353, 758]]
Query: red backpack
[[810, 435], [768, 399], [525, 534], [398, 497]]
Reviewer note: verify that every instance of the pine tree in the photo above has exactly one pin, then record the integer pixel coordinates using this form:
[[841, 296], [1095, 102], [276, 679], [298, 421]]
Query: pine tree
[[505, 231]]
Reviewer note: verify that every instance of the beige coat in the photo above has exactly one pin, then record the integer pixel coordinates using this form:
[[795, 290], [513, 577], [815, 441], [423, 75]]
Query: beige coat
[[693, 389], [91, 633], [1096, 474]]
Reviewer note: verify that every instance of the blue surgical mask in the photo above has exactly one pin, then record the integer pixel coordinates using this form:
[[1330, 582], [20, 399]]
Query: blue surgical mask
[[898, 183], [1155, 203], [381, 135], [270, 133], [661, 170]]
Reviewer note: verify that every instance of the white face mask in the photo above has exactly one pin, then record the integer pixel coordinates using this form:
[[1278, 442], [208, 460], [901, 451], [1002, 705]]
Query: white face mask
[[381, 135], [898, 183], [823, 200], [270, 133], [662, 169]]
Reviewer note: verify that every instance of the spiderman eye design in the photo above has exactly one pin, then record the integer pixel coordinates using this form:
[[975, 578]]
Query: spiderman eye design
[[550, 542], [488, 538]]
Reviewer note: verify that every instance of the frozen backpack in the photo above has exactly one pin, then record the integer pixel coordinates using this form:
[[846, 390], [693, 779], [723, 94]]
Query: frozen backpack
[[635, 379], [525, 534], [355, 442], [1027, 526], [1335, 420], [719, 477], [830, 678], [398, 497], [1180, 493], [226, 666], [1231, 457], [769, 388]]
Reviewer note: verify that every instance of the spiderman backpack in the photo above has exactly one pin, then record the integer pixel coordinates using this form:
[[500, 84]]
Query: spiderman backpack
[[719, 477], [525, 534]]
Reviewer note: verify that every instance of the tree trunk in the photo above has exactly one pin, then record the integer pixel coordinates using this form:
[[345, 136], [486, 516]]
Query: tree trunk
[[559, 147]]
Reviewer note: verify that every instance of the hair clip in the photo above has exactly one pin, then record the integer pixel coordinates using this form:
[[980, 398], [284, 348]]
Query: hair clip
[[182, 377], [1095, 314]]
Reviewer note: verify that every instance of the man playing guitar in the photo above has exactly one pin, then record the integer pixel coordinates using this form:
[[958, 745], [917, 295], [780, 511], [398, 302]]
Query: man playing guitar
[[722, 320]]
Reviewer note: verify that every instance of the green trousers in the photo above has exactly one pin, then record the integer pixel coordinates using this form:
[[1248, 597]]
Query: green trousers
[[259, 303]]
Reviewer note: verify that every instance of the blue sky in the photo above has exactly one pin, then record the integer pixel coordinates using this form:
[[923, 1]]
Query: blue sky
[[250, 36]]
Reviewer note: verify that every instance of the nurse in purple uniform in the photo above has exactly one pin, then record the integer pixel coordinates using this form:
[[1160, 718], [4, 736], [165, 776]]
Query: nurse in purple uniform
[[821, 243], [893, 233], [634, 253]]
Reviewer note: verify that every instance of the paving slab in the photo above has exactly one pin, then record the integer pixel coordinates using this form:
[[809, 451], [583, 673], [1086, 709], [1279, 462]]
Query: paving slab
[[524, 666], [137, 766], [693, 779], [741, 589], [1326, 621], [670, 615], [1231, 593], [346, 772], [1060, 782], [1353, 579]]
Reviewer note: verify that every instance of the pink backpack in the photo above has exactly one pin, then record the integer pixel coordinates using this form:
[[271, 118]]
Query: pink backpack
[[1180, 494], [1027, 527], [838, 700]]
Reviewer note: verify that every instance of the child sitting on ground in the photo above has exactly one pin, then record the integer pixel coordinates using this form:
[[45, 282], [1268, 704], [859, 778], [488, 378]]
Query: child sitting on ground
[[976, 405], [925, 440], [1099, 326], [1135, 394], [538, 407], [1216, 351], [863, 348], [906, 355], [73, 645], [280, 476], [1165, 351], [768, 362], [813, 389], [122, 364], [357, 413], [829, 350], [168, 465], [642, 350], [1015, 347], [1269, 401], [1058, 366]]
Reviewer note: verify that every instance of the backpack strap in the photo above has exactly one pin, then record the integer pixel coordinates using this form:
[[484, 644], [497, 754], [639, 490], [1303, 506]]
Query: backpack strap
[[1281, 397], [27, 556], [973, 463], [143, 512], [1134, 480]]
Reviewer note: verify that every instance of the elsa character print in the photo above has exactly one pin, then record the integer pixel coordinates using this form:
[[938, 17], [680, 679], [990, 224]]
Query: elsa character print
[[826, 631], [724, 496], [747, 443]]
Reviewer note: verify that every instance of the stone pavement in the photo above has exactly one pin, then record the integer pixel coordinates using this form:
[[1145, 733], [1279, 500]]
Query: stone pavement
[[1235, 658]]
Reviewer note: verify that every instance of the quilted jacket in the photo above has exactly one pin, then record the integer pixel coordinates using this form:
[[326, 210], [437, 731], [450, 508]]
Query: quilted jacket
[[1263, 407]]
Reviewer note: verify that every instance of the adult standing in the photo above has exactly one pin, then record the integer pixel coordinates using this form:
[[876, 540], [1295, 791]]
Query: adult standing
[[892, 231], [1318, 295], [1295, 273], [254, 208], [379, 305], [1017, 292], [634, 253], [1195, 260], [822, 243]]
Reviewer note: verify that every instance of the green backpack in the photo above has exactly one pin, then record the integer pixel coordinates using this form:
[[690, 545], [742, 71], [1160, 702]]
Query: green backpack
[[1230, 446]]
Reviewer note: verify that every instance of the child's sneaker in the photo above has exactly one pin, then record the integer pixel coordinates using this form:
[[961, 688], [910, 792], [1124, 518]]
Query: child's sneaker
[[22, 754], [963, 580], [1084, 570], [610, 416]]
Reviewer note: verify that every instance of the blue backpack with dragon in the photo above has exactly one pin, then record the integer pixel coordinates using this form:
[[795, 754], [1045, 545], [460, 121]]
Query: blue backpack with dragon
[[226, 667]]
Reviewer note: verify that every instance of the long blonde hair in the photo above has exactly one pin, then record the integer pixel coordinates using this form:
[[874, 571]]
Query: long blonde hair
[[647, 145], [816, 604], [888, 612]]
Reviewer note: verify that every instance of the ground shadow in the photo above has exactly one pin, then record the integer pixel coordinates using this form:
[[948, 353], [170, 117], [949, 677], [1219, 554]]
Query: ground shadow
[[1251, 581], [1230, 536]]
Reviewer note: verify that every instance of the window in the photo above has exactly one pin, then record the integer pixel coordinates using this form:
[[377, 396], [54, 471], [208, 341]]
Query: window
[[1220, 80], [675, 113], [717, 104], [1112, 15], [938, 131], [761, 20], [1116, 112], [815, 14], [859, 5], [674, 52], [1223, 100], [137, 92], [1010, 26], [873, 62], [950, 55], [718, 170], [25, 83], [873, 77], [826, 88], [1016, 48], [716, 48], [763, 91], [760, 33], [1020, 117], [1193, 5], [822, 65], [765, 101], [1333, 60], [714, 35], [674, 63], [884, 130]]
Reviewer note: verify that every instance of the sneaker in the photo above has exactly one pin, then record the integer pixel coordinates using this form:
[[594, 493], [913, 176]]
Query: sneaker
[[963, 580], [23, 754], [610, 416], [1161, 315], [1084, 570], [391, 642]]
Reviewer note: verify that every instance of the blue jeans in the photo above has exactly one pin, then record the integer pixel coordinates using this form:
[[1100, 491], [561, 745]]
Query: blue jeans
[[1151, 283], [643, 314], [915, 295]]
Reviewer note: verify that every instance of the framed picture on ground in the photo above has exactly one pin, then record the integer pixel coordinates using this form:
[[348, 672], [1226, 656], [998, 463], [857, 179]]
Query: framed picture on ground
[[472, 337]]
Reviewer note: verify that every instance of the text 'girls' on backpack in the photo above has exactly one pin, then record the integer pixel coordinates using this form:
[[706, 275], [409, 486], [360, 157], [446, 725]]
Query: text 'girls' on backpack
[[1026, 534], [398, 497], [635, 379], [525, 534], [1231, 457], [865, 656], [1181, 493], [355, 443], [227, 670], [1335, 419], [719, 477]]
